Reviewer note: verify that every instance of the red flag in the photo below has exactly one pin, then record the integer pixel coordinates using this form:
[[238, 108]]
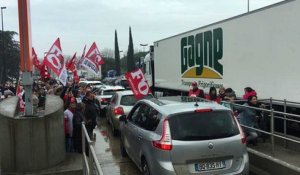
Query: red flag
[[70, 65], [54, 58], [44, 72], [93, 59], [94, 55], [36, 62], [55, 61], [138, 84]]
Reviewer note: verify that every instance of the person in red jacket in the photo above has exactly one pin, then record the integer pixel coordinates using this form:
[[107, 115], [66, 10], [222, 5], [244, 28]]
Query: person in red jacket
[[212, 96], [195, 91], [248, 93]]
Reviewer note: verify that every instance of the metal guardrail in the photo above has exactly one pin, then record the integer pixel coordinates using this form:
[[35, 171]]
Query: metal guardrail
[[272, 114], [90, 163]]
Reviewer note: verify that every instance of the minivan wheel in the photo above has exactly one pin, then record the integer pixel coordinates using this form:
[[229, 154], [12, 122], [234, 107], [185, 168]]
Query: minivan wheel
[[145, 168], [122, 149]]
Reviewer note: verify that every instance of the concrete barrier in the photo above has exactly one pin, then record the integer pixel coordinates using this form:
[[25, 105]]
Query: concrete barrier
[[31, 143]]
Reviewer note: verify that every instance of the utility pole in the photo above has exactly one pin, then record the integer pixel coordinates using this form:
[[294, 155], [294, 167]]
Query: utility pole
[[2, 48], [143, 45], [25, 53], [2, 8], [248, 6]]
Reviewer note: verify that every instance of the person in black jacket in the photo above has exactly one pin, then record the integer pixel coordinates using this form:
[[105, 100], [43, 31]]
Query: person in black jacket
[[78, 118], [90, 113]]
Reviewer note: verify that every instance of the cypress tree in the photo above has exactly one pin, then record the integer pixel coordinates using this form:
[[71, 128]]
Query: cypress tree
[[130, 54], [117, 55]]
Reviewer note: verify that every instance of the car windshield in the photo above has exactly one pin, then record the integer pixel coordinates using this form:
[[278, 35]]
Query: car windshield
[[203, 126], [130, 100]]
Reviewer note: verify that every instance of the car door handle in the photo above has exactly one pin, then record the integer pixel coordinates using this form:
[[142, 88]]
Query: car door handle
[[140, 137]]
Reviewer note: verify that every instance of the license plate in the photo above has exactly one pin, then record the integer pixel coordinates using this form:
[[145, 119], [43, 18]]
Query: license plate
[[209, 166]]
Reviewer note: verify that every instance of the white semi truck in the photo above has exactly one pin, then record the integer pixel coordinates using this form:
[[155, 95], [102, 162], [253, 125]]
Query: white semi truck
[[260, 49]]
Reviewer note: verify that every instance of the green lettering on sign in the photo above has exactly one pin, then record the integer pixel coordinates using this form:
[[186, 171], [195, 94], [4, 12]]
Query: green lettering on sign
[[202, 50]]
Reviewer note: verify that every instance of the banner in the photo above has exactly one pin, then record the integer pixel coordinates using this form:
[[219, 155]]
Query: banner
[[55, 61], [138, 84], [93, 59]]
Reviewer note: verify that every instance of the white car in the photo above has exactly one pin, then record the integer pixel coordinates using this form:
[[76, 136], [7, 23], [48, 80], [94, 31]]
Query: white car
[[104, 95], [121, 103], [91, 83]]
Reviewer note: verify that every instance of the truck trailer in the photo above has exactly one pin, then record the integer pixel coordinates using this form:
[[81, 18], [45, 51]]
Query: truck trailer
[[258, 49]]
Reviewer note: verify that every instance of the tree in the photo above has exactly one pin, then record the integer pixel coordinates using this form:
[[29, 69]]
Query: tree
[[130, 54], [9, 56], [117, 55]]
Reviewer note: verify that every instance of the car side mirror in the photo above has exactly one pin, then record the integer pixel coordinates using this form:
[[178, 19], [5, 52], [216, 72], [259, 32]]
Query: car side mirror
[[123, 118]]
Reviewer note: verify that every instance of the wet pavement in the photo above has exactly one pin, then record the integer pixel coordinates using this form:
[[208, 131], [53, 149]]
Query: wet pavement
[[107, 148]]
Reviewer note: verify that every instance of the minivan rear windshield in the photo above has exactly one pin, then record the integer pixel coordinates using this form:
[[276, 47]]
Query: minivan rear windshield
[[203, 126], [130, 100]]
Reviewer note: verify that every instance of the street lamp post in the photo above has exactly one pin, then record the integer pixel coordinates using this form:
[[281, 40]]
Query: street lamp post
[[2, 48], [143, 45], [2, 8], [248, 5]]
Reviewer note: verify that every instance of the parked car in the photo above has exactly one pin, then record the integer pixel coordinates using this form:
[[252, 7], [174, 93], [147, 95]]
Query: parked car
[[104, 95], [169, 138], [121, 103]]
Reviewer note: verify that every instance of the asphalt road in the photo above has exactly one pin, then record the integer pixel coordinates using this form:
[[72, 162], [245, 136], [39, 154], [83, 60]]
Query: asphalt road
[[107, 148]]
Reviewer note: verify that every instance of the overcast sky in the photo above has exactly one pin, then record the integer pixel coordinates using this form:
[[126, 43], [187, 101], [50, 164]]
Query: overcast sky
[[80, 22]]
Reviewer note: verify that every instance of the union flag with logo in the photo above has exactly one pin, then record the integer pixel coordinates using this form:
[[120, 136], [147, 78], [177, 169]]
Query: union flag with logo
[[138, 83], [54, 60], [93, 59]]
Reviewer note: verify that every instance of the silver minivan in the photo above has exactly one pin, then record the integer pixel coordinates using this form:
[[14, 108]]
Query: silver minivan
[[164, 137]]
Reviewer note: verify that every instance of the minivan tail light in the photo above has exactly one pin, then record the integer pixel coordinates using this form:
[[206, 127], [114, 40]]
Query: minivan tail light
[[242, 134], [118, 111], [203, 110], [165, 142]]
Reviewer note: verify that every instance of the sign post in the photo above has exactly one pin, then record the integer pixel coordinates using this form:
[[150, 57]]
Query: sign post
[[25, 53]]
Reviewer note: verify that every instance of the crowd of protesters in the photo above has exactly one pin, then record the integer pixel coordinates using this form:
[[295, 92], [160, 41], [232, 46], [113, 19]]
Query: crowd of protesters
[[80, 106], [247, 115]]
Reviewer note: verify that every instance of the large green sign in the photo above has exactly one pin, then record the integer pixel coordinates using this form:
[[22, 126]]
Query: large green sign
[[200, 55]]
